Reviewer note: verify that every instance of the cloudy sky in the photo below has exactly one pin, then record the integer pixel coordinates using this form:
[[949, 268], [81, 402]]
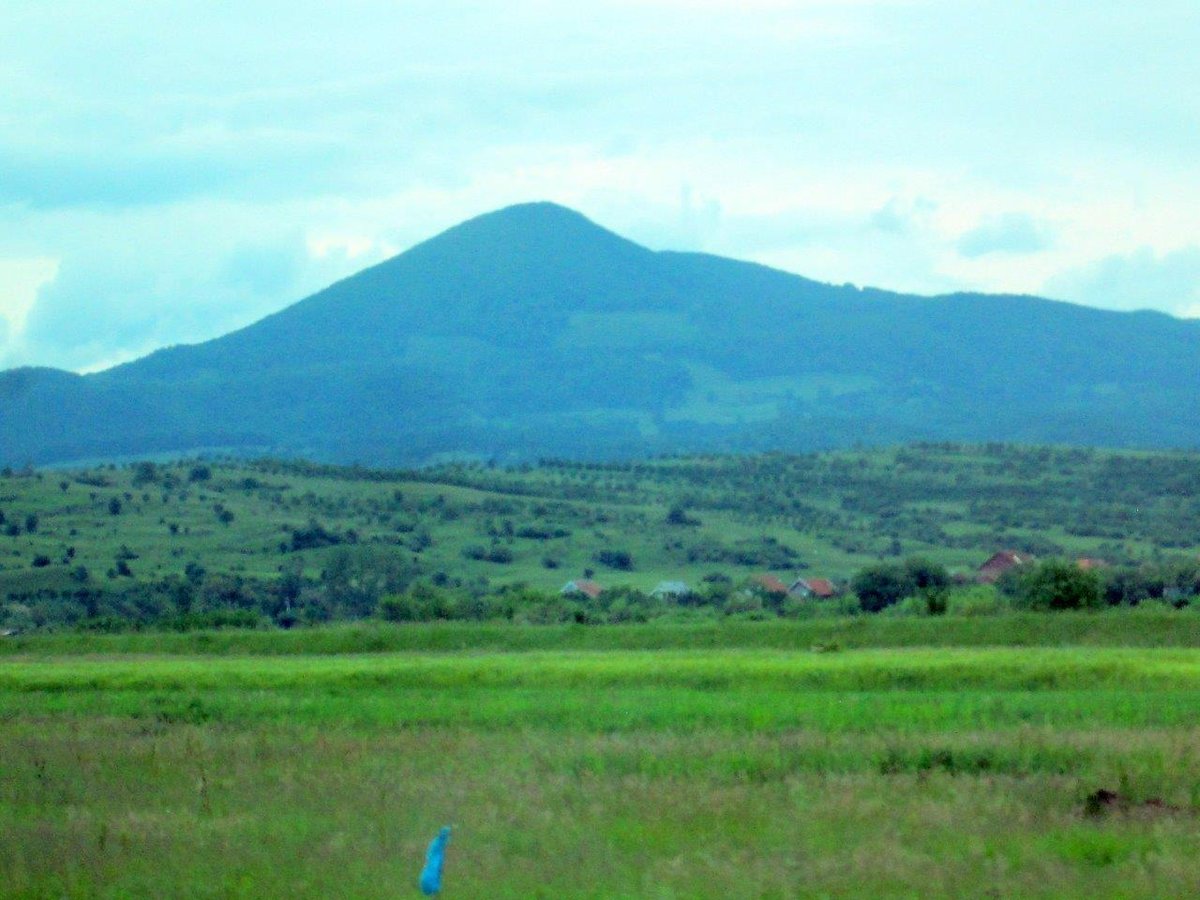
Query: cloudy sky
[[172, 170]]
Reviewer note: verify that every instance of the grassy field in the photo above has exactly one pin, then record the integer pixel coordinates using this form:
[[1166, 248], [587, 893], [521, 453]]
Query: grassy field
[[1146, 626], [688, 762]]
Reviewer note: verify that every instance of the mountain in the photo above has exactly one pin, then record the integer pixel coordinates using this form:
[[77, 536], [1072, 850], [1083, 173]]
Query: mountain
[[533, 332]]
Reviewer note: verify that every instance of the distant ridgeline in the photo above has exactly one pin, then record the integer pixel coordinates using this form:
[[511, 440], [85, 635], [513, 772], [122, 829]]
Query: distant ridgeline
[[531, 331]]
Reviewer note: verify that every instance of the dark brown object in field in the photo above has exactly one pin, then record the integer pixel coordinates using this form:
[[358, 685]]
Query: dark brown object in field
[[1099, 802], [1104, 801]]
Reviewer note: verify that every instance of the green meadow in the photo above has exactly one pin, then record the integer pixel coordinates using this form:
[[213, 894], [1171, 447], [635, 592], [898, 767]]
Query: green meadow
[[766, 760]]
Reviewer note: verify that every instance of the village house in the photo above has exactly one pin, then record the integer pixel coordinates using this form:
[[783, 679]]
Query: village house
[[770, 584], [669, 590], [999, 563], [805, 588], [589, 589]]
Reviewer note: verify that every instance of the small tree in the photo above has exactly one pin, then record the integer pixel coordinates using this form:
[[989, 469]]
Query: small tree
[[145, 473], [1056, 584], [1129, 587], [883, 585], [932, 582], [622, 560], [677, 515]]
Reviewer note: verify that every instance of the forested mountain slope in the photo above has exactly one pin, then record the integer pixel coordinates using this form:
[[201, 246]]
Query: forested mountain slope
[[532, 331]]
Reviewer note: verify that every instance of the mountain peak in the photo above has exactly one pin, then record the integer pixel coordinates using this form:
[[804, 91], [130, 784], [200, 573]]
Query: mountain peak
[[535, 214], [538, 212], [540, 228]]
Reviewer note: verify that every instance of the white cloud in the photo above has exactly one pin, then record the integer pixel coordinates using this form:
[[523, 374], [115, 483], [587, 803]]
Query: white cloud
[[20, 280], [1015, 233], [195, 167], [126, 285], [1140, 280]]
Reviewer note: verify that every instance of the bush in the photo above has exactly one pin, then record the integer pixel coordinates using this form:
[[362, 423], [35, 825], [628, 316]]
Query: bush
[[421, 603], [678, 516], [909, 606], [979, 600], [500, 555], [313, 537], [878, 587], [1056, 584], [541, 533], [537, 608], [1129, 587], [881, 586], [621, 560]]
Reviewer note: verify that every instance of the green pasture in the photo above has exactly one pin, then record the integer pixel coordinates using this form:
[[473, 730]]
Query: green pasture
[[734, 771], [1146, 626]]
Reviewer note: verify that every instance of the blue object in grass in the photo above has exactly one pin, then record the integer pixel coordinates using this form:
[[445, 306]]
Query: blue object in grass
[[431, 875]]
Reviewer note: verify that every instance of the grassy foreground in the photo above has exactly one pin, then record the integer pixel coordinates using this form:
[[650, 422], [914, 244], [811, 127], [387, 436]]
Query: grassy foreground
[[738, 771]]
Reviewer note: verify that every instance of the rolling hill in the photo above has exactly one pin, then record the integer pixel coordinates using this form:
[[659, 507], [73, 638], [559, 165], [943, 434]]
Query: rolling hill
[[533, 332]]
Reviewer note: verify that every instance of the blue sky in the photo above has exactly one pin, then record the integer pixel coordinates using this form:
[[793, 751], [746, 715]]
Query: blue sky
[[171, 171]]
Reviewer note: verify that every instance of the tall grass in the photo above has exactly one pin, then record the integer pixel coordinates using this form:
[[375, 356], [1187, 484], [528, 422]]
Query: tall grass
[[104, 808], [1113, 628], [743, 772]]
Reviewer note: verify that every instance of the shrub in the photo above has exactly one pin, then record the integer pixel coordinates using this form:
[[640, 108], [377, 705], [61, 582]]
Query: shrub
[[621, 560], [145, 473], [881, 586], [499, 554], [1129, 587], [313, 536], [421, 603], [677, 515], [979, 600], [1056, 584]]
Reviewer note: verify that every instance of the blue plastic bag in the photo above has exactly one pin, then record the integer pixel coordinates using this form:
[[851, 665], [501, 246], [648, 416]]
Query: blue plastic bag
[[431, 875]]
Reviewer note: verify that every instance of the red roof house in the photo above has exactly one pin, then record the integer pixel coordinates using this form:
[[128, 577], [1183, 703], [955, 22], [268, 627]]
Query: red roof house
[[589, 589], [999, 563], [770, 584], [812, 587]]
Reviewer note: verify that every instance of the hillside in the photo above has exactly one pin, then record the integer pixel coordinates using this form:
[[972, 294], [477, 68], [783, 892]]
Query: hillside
[[532, 331], [138, 540]]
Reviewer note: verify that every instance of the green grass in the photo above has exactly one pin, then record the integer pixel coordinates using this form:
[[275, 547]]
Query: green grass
[[1112, 628], [726, 772]]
